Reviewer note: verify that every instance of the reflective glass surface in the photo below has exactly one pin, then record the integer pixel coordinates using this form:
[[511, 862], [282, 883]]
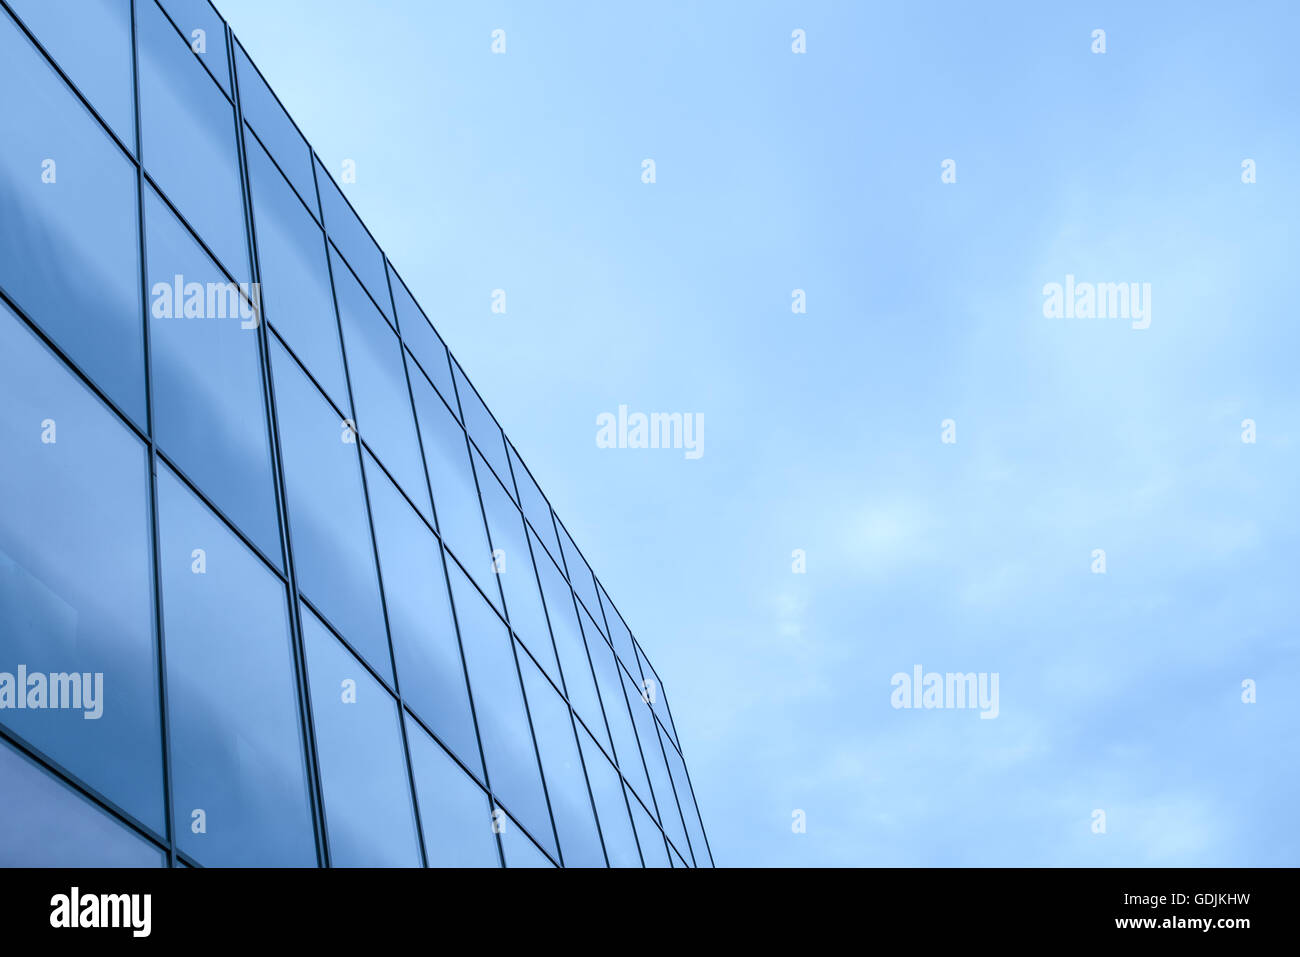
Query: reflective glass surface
[[611, 807], [70, 247], [566, 785], [382, 401], [455, 813], [240, 785], [499, 705], [455, 498], [369, 816], [91, 41], [579, 684], [429, 666], [328, 522], [76, 580], [483, 429], [205, 33], [282, 503], [189, 146], [353, 240], [263, 112], [514, 566], [423, 341], [209, 410], [296, 296], [47, 824]]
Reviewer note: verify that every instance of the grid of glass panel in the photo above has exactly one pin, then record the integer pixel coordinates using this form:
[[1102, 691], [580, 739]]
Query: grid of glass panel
[[333, 618]]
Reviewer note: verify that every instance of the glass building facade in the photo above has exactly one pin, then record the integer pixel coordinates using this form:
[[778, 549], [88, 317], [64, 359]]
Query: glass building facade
[[275, 589]]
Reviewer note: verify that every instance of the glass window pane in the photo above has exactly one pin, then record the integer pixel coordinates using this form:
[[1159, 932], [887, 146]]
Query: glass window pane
[[654, 850], [209, 409], [68, 204], [189, 147], [535, 507], [236, 738], [267, 118], [91, 41], [76, 578], [670, 807], [698, 849], [296, 295], [611, 807], [499, 705], [654, 689], [483, 429], [429, 666], [353, 241], [619, 632], [383, 403], [328, 524], [514, 566], [205, 33], [580, 576], [368, 812], [47, 824], [519, 850], [609, 681], [425, 344], [455, 813], [660, 800], [455, 499], [579, 684], [566, 785]]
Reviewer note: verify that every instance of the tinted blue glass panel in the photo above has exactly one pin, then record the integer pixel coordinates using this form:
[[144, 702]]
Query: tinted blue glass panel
[[535, 507], [47, 824], [189, 146], [209, 409], [609, 681], [69, 249], [454, 811], [296, 295], [205, 33], [654, 850], [514, 566], [611, 809], [424, 343], [519, 850], [76, 578], [698, 850], [661, 797], [499, 705], [383, 404], [328, 524], [368, 809], [353, 240], [670, 814], [429, 667], [91, 42], [455, 498], [618, 631], [654, 689], [263, 112], [236, 740], [483, 429], [580, 576], [578, 681], [566, 785]]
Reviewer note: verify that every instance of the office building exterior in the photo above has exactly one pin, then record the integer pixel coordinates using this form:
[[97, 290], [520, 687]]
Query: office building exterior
[[275, 589]]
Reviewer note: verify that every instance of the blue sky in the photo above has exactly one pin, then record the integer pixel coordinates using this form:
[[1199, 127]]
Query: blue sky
[[821, 172]]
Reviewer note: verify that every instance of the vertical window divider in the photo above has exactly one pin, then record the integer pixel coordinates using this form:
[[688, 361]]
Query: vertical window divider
[[169, 810], [315, 789], [370, 521]]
